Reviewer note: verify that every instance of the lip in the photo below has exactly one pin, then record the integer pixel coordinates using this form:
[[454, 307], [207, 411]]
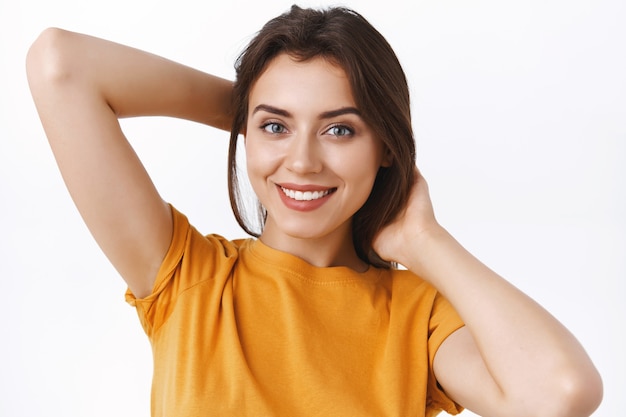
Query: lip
[[304, 205], [303, 187]]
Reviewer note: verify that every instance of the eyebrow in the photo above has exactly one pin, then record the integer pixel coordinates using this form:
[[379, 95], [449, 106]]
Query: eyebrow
[[271, 109], [326, 115]]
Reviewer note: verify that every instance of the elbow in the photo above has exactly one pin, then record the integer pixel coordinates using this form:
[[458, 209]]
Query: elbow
[[579, 394], [586, 393], [48, 61]]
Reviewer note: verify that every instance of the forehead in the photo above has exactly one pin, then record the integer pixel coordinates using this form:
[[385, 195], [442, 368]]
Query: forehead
[[292, 81]]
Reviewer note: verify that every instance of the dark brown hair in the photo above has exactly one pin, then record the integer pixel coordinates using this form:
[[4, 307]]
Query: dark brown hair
[[380, 91]]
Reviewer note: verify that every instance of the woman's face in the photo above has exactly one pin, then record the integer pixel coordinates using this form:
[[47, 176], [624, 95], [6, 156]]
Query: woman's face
[[311, 158]]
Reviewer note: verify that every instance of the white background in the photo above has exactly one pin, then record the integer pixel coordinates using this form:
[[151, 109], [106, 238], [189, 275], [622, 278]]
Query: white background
[[520, 119]]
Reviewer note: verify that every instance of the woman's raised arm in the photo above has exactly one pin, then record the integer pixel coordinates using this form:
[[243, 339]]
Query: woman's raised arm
[[512, 358], [81, 85]]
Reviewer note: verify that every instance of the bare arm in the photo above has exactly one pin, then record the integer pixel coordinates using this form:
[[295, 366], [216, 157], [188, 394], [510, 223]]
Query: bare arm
[[512, 358], [81, 85]]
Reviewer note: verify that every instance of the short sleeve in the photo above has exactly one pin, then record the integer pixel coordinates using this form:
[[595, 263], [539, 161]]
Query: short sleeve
[[191, 258], [443, 322]]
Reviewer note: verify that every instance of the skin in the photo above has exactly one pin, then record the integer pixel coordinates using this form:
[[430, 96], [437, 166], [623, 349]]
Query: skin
[[508, 341], [511, 359], [81, 86], [304, 132]]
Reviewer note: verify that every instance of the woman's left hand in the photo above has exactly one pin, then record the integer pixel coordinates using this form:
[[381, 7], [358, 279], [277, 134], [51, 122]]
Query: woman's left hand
[[397, 241], [512, 357]]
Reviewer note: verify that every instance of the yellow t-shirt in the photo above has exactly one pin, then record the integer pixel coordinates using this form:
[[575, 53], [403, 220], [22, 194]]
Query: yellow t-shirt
[[240, 329]]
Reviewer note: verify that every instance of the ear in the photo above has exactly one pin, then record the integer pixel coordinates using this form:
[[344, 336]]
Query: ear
[[387, 160]]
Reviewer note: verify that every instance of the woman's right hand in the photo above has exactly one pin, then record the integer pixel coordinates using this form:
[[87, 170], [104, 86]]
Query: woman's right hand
[[81, 85]]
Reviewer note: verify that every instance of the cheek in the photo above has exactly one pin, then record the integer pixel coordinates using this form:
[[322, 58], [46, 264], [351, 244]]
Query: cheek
[[360, 173], [260, 160], [360, 162]]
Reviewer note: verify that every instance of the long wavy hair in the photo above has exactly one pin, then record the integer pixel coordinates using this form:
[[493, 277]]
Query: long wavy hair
[[380, 90]]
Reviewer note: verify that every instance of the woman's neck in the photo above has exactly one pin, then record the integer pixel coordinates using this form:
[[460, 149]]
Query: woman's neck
[[335, 249]]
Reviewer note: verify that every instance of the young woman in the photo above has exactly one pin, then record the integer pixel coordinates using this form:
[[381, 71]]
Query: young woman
[[311, 318]]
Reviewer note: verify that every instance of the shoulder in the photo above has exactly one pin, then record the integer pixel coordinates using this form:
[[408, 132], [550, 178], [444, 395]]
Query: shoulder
[[422, 299], [196, 267], [188, 241], [405, 280], [193, 257]]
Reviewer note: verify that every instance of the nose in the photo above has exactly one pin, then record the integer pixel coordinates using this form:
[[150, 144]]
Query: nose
[[304, 154]]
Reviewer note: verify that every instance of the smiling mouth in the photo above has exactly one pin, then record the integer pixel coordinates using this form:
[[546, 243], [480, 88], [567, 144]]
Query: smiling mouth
[[306, 195]]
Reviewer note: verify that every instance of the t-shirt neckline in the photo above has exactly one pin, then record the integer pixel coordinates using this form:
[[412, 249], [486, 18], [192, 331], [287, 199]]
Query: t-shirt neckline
[[285, 261]]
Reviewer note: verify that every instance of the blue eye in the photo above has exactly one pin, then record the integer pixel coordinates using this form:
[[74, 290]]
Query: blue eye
[[340, 130], [273, 127]]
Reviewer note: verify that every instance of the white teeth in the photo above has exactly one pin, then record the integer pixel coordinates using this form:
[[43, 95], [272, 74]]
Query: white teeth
[[304, 195]]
